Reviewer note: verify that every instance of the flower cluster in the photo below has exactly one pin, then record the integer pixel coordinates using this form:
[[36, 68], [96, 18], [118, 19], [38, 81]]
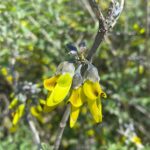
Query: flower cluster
[[24, 103], [78, 86], [130, 136]]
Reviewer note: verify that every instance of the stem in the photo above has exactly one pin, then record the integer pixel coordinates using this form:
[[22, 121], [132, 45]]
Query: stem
[[62, 126], [35, 132], [4, 101], [98, 39], [147, 15], [105, 23]]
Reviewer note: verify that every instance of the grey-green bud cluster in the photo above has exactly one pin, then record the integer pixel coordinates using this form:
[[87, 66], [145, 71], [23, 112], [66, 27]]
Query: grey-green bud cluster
[[65, 67], [77, 78], [91, 73]]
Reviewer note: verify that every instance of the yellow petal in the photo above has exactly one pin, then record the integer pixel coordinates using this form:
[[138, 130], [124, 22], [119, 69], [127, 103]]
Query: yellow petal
[[76, 98], [137, 140], [92, 89], [96, 110], [42, 101], [50, 83], [13, 103], [61, 90], [18, 114], [47, 109], [74, 115], [39, 108], [34, 111]]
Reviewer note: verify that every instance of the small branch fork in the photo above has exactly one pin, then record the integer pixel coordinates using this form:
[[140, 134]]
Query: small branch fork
[[105, 24]]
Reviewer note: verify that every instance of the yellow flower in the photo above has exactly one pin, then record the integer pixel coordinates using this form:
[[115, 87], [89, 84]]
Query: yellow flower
[[45, 107], [9, 78], [4, 71], [74, 115], [59, 85], [18, 114], [90, 92], [13, 103], [36, 112], [93, 91], [136, 140], [76, 99]]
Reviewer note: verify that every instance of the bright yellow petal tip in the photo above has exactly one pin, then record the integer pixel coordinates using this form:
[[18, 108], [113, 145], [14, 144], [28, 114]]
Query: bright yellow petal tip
[[103, 94], [74, 115], [13, 103], [96, 110], [36, 113]]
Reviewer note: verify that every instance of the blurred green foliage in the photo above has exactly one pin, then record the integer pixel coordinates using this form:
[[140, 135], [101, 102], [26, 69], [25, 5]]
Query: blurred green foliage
[[33, 38]]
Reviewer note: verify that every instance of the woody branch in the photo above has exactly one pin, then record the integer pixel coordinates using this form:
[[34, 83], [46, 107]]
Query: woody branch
[[105, 24]]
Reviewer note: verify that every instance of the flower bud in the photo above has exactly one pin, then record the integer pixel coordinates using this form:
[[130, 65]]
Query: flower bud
[[91, 74], [65, 67], [82, 48], [72, 49], [77, 78]]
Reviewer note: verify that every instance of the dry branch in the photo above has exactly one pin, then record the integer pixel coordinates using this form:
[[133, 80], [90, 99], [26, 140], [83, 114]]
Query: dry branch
[[62, 126], [105, 25]]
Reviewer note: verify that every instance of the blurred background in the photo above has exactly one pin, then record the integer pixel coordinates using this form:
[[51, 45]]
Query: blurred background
[[33, 38]]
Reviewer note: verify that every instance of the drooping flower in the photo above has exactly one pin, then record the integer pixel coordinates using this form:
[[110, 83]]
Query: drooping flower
[[76, 101], [59, 85], [76, 98], [137, 141], [83, 86], [36, 112], [13, 103], [88, 92], [93, 92], [18, 114]]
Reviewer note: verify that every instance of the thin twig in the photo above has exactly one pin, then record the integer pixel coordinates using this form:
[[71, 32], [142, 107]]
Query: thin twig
[[98, 39], [89, 9], [62, 127], [105, 25], [35, 132], [147, 27], [4, 100]]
